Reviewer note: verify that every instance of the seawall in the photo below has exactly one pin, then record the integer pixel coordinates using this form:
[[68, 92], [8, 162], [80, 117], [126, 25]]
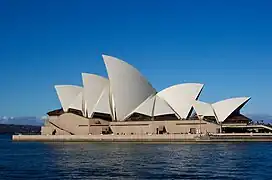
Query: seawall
[[146, 138], [105, 138]]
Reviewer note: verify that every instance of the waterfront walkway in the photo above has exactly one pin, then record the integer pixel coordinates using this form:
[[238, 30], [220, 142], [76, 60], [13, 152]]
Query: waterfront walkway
[[241, 137]]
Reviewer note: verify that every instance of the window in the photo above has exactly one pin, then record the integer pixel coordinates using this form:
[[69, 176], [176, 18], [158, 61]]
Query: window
[[193, 130]]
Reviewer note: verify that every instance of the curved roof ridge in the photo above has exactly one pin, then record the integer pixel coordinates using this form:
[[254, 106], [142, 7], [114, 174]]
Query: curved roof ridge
[[128, 86], [67, 95], [103, 103], [225, 108], [78, 103], [181, 97], [162, 107], [203, 108], [93, 88], [146, 107]]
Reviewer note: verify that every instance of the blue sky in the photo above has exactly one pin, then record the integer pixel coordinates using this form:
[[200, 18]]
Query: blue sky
[[227, 45]]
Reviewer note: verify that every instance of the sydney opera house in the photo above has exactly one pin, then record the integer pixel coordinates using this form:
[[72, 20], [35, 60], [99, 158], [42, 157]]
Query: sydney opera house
[[125, 103]]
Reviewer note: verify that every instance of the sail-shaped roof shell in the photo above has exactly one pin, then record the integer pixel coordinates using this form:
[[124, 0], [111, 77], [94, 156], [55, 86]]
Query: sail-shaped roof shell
[[181, 97], [128, 87], [93, 88], [67, 95]]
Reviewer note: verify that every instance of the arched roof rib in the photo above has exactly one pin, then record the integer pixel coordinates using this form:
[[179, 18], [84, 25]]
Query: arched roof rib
[[78, 103], [94, 86], [103, 104], [154, 106], [181, 97], [69, 95], [225, 108], [146, 107], [128, 87], [221, 110], [162, 107], [203, 109]]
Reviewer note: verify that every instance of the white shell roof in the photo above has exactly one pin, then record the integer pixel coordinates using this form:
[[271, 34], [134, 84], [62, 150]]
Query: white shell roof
[[181, 97], [103, 104], [203, 109], [128, 87], [78, 102], [93, 88], [67, 95], [127, 91], [162, 108], [154, 106], [225, 108], [146, 107]]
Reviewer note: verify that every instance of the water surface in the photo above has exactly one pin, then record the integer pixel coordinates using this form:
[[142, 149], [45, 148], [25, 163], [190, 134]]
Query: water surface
[[25, 160]]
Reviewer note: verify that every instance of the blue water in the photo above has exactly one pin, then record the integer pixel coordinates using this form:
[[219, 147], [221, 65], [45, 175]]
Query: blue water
[[134, 160]]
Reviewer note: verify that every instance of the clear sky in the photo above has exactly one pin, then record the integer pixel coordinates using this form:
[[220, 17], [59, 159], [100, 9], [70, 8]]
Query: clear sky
[[227, 45]]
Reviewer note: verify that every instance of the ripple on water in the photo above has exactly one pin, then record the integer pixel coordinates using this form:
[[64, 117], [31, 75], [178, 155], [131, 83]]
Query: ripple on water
[[134, 161]]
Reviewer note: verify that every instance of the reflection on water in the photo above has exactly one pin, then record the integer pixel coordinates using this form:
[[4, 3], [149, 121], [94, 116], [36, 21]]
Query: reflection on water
[[134, 161]]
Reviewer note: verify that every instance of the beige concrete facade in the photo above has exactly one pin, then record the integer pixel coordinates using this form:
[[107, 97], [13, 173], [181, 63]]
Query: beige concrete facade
[[166, 127], [48, 130], [69, 123], [72, 124]]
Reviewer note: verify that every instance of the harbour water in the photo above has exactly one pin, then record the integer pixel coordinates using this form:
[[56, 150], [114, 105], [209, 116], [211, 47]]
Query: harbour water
[[34, 160]]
